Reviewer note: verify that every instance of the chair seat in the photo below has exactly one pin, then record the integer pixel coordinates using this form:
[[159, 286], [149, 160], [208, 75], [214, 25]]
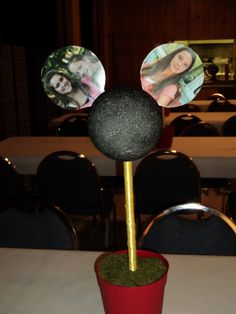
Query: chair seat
[[46, 229], [196, 242]]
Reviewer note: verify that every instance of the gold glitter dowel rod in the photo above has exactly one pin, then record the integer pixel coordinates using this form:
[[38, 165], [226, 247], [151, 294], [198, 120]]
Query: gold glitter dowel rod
[[130, 220]]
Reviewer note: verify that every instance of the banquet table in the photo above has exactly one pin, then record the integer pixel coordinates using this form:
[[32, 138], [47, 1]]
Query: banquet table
[[215, 157], [26, 152], [36, 281], [55, 122], [215, 118], [204, 103]]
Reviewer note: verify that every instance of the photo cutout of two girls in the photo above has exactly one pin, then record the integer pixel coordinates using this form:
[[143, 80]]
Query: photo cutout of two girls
[[73, 77]]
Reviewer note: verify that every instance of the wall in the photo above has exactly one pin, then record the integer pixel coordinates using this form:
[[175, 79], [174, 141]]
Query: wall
[[126, 31], [29, 38], [14, 104], [121, 33]]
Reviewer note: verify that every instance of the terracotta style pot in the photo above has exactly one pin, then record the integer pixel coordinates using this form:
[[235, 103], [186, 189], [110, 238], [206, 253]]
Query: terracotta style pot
[[147, 299]]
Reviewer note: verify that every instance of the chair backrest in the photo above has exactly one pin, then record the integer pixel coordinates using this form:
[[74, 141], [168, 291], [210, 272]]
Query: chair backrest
[[165, 178], [69, 180], [46, 229], [173, 232], [217, 96], [181, 122], [11, 186], [229, 127], [201, 129], [75, 125], [221, 105]]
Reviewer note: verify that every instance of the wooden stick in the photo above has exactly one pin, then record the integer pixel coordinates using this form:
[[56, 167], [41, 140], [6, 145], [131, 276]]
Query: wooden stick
[[130, 220]]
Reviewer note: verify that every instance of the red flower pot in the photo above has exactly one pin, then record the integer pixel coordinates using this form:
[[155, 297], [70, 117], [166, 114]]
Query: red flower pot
[[147, 299]]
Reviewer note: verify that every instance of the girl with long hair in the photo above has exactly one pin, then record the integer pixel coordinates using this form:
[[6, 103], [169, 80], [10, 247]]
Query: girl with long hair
[[161, 78], [70, 93]]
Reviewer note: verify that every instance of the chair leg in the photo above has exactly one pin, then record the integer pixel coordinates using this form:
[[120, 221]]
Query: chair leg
[[106, 232], [225, 194]]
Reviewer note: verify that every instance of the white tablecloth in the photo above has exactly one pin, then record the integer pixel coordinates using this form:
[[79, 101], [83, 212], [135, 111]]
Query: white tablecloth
[[214, 156], [64, 282], [203, 104], [27, 152], [54, 123], [215, 118]]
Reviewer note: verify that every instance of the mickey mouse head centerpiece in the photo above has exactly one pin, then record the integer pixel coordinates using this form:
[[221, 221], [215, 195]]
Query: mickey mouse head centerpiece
[[125, 124]]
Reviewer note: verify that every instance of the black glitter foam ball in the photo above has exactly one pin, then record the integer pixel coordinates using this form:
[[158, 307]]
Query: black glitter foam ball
[[125, 123]]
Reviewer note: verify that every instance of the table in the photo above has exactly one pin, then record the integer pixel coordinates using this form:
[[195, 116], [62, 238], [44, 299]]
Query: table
[[26, 152], [59, 282], [203, 104], [54, 123], [215, 157], [215, 118]]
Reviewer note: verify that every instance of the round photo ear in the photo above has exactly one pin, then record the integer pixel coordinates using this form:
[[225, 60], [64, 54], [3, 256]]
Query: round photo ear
[[172, 74], [73, 77]]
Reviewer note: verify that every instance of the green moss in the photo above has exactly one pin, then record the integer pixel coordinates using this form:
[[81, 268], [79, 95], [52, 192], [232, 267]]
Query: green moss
[[115, 269]]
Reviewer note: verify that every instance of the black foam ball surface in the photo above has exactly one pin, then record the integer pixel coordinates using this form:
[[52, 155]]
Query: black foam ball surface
[[125, 123]]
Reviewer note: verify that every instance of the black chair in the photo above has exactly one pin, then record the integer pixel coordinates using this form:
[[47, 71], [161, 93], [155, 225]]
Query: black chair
[[46, 229], [217, 96], [69, 180], [186, 108], [163, 179], [221, 186], [200, 129], [183, 121], [174, 231], [220, 104], [75, 125], [229, 127]]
